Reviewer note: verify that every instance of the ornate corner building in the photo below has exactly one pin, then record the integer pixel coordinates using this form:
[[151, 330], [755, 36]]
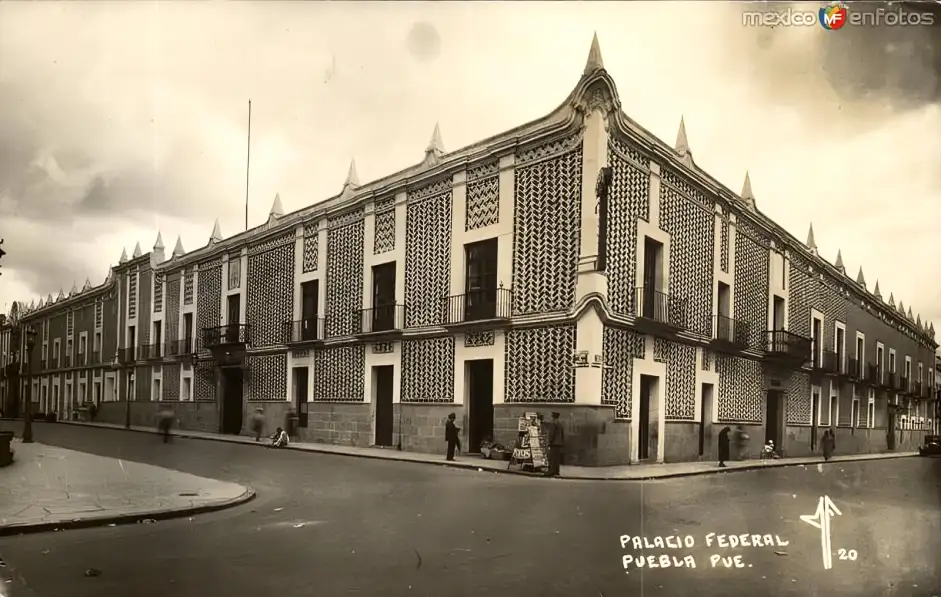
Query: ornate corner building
[[574, 264]]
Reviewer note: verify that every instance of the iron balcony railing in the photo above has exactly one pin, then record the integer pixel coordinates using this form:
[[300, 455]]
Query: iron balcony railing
[[892, 381], [150, 351], [875, 374], [384, 318], [127, 355], [94, 357], [782, 343], [829, 361], [660, 307], [478, 305], [731, 331], [53, 363], [905, 384], [855, 369], [68, 361], [917, 389], [310, 329], [233, 333], [179, 347]]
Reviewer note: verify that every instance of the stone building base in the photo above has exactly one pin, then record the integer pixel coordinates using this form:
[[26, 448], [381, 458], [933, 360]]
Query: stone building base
[[592, 436]]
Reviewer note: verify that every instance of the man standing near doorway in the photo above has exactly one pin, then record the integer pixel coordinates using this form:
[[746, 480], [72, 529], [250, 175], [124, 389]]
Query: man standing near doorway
[[556, 446], [452, 436]]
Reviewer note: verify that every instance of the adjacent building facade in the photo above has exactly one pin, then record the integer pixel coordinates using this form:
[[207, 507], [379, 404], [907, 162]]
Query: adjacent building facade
[[574, 264]]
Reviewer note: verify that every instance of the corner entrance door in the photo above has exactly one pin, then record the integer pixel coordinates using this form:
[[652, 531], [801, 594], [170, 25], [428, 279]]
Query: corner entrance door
[[705, 422], [479, 375], [300, 394], [774, 419], [815, 419], [232, 400], [382, 384], [644, 418]]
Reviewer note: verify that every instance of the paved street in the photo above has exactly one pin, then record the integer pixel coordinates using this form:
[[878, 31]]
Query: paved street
[[48, 485], [329, 525]]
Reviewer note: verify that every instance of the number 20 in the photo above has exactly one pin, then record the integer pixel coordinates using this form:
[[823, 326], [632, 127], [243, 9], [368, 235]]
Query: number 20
[[847, 555]]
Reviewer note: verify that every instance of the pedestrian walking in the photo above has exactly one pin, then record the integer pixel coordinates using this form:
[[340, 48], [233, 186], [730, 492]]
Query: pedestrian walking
[[556, 447], [724, 446], [290, 422], [165, 422], [452, 436], [828, 444], [741, 443], [258, 423]]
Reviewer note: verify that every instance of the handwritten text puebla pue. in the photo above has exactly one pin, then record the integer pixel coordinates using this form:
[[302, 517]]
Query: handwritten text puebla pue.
[[640, 546]]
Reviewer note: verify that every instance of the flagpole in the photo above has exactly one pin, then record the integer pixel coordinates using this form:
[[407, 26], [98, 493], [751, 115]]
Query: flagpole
[[248, 161]]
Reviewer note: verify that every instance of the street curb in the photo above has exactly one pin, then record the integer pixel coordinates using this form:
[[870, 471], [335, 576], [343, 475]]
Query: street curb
[[470, 466], [124, 519]]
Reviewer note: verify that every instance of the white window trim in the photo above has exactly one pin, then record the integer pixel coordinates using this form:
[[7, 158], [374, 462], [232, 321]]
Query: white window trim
[[839, 325], [857, 407], [56, 351], [893, 361], [816, 315], [908, 374], [871, 409], [834, 414], [189, 396], [921, 372], [819, 392], [861, 357], [880, 361]]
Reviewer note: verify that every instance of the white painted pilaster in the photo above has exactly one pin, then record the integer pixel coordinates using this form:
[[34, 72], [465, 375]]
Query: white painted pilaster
[[589, 337]]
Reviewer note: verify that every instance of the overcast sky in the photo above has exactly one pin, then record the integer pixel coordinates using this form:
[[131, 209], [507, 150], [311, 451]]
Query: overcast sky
[[121, 119]]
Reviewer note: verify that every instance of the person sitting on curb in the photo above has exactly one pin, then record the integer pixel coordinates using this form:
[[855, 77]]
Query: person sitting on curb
[[279, 439]]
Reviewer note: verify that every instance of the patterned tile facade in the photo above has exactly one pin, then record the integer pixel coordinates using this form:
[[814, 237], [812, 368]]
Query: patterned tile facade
[[270, 293], [158, 294], [339, 374], [428, 370], [344, 273], [209, 298], [681, 379], [539, 364], [384, 233], [311, 248], [235, 271], [751, 285], [132, 297], [172, 321], [741, 390], [724, 247], [171, 382], [268, 378], [546, 227], [427, 254], [628, 201], [205, 381], [475, 339], [801, 295], [621, 347], [189, 285], [685, 215], [799, 405], [483, 197]]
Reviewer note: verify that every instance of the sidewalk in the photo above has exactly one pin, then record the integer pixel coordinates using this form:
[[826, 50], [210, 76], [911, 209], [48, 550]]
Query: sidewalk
[[48, 488], [634, 472]]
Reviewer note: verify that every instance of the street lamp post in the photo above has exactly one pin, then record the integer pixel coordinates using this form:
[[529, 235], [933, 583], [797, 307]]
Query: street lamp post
[[28, 423]]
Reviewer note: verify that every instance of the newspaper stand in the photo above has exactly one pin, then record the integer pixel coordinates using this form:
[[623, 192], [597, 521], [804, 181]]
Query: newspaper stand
[[529, 452]]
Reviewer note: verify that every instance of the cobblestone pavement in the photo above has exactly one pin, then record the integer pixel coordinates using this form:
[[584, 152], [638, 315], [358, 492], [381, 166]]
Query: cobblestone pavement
[[53, 487], [331, 525]]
